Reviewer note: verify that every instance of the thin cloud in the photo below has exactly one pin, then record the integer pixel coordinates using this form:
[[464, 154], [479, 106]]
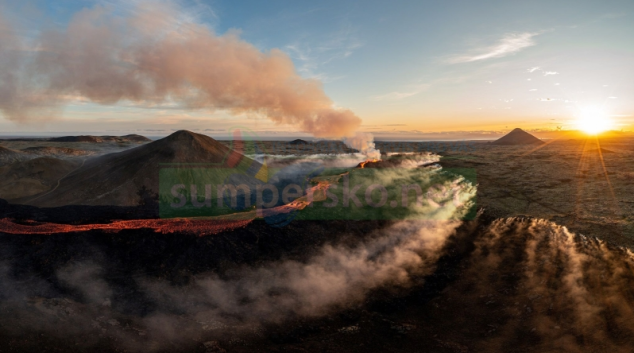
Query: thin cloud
[[509, 44], [533, 69], [397, 95], [551, 73], [314, 54]]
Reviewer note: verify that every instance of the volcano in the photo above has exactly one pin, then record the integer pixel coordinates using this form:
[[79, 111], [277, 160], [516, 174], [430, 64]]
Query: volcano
[[517, 137], [298, 142], [116, 179]]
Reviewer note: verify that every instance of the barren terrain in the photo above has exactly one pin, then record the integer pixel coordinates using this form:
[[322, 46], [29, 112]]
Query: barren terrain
[[585, 185]]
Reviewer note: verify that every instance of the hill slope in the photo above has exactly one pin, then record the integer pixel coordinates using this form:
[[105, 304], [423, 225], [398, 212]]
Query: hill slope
[[517, 137], [115, 179], [9, 156], [30, 177]]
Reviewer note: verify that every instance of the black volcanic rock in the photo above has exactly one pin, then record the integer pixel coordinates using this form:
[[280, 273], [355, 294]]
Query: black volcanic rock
[[115, 179], [517, 137], [299, 142]]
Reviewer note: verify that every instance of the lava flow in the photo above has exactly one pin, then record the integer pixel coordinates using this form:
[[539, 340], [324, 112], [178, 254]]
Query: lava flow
[[199, 226], [363, 164], [180, 225]]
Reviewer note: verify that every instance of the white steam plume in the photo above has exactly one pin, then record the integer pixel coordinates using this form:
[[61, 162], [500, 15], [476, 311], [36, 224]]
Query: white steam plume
[[364, 143]]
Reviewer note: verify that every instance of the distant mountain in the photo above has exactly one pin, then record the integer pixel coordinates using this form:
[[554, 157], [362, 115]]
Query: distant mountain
[[116, 179], [299, 142], [98, 139], [517, 137]]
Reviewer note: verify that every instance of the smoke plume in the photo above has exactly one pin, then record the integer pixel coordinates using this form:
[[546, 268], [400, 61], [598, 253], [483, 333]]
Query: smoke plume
[[153, 56], [364, 143]]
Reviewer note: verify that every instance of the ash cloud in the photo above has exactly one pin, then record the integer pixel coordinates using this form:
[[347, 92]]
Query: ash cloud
[[154, 56]]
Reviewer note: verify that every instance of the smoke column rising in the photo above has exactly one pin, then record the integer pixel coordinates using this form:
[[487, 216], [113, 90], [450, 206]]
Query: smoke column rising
[[154, 55]]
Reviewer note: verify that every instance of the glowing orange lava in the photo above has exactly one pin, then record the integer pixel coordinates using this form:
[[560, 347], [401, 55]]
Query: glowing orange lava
[[362, 164], [200, 226]]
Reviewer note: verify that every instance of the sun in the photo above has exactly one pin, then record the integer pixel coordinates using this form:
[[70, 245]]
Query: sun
[[593, 120]]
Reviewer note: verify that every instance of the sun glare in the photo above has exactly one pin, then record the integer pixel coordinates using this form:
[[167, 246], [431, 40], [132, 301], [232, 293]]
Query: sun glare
[[593, 120]]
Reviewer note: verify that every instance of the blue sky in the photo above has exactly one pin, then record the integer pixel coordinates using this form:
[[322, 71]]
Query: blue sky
[[407, 68]]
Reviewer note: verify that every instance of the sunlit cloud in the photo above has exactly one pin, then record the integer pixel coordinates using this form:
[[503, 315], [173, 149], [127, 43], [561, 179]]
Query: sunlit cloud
[[509, 44]]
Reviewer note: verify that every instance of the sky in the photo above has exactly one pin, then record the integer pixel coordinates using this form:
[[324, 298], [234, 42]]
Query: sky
[[408, 69]]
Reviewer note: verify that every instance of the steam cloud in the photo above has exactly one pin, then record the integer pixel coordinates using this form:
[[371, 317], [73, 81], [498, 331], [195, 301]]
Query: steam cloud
[[336, 277], [525, 283], [154, 56], [364, 143]]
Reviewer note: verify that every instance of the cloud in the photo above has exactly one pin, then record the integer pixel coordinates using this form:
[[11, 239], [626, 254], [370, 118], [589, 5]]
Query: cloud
[[533, 69], [313, 58], [509, 44], [398, 95], [547, 73]]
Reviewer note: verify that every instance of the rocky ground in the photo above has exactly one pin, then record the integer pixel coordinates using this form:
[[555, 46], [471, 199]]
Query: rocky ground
[[516, 285], [585, 185]]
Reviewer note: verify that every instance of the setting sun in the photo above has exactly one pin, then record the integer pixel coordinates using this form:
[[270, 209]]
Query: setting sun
[[593, 120]]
